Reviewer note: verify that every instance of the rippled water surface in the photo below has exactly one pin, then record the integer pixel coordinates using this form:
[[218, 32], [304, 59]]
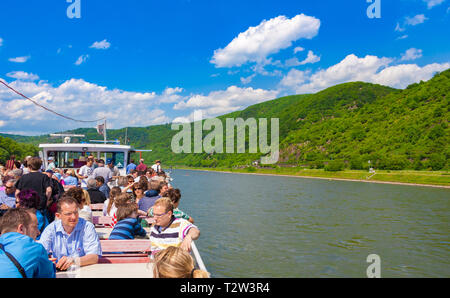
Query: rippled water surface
[[268, 226]]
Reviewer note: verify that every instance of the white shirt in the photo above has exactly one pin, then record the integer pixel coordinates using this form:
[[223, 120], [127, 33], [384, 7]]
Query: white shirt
[[85, 171], [156, 167]]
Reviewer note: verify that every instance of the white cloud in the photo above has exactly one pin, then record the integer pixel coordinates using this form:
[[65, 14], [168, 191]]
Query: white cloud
[[432, 3], [182, 120], [311, 58], [269, 37], [298, 49], [1, 41], [78, 99], [81, 59], [403, 37], [416, 20], [225, 101], [21, 75], [410, 21], [247, 80], [171, 95], [101, 45], [400, 76], [399, 28], [22, 59], [368, 69], [411, 54]]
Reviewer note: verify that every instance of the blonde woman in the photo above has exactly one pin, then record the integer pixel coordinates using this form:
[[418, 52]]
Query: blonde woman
[[174, 262], [85, 209], [83, 199], [109, 208]]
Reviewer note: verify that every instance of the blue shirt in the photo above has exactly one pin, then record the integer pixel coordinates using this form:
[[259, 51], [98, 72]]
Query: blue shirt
[[147, 202], [71, 180], [105, 190], [31, 255], [130, 167], [82, 241], [9, 200], [42, 222], [127, 228]]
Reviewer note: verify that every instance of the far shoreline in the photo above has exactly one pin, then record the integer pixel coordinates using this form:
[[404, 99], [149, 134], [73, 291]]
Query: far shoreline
[[323, 178]]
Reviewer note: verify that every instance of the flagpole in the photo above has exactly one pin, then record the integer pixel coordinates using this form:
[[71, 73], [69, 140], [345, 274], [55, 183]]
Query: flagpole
[[104, 135]]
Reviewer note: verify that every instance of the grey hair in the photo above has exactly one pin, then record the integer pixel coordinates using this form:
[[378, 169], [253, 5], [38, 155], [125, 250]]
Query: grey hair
[[91, 183]]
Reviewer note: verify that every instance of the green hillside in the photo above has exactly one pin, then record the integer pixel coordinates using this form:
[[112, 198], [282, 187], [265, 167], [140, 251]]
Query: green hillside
[[343, 126]]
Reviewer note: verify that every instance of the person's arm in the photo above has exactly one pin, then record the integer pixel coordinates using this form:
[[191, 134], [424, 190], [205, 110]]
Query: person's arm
[[138, 230], [127, 187], [65, 262], [193, 234], [48, 193], [46, 267], [88, 260], [92, 247]]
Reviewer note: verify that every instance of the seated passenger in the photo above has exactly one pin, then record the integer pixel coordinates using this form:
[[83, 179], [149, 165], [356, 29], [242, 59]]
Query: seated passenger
[[29, 199], [71, 240], [70, 180], [174, 195], [7, 196], [97, 197], [127, 226], [174, 262], [170, 231], [18, 230]]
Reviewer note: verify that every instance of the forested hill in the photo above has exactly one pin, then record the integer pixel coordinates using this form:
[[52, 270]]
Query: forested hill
[[343, 126]]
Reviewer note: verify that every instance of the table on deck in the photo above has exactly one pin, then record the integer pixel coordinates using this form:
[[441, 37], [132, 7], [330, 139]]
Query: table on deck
[[128, 270]]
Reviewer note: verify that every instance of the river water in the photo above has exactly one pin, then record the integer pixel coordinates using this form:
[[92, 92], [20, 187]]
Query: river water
[[269, 226]]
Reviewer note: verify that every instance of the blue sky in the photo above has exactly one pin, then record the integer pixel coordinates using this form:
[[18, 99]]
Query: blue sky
[[141, 63]]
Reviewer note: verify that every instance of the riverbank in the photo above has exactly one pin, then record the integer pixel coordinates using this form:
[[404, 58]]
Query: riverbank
[[439, 179]]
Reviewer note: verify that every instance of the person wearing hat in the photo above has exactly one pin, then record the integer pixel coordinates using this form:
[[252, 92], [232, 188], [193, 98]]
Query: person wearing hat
[[51, 164], [157, 166], [115, 173]]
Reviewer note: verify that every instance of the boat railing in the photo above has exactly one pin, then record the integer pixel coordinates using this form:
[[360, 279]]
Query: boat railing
[[197, 257]]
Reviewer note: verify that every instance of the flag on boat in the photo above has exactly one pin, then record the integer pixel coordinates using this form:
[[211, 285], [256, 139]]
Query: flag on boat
[[101, 129]]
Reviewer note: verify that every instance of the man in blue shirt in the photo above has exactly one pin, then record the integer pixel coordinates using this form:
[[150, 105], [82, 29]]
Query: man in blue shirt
[[7, 196], [131, 166], [18, 230], [70, 239]]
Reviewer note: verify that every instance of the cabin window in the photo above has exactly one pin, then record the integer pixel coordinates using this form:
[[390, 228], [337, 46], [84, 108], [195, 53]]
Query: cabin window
[[72, 159]]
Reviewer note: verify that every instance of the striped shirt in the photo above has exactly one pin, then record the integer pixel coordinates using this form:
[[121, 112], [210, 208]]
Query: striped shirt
[[173, 235], [126, 229]]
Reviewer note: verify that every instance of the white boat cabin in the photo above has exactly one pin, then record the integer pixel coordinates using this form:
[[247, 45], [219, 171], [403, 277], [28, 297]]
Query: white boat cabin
[[72, 155]]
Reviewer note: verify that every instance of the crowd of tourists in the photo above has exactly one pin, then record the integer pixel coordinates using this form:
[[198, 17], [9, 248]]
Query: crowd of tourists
[[46, 220]]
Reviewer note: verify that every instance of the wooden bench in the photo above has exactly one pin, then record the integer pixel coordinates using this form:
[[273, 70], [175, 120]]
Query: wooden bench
[[101, 221], [132, 251], [96, 207]]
